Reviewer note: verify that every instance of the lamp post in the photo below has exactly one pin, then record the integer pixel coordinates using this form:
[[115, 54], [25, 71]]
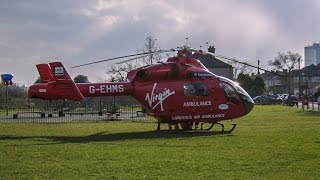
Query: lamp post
[[6, 79], [302, 87], [7, 105], [307, 88], [299, 75], [258, 67]]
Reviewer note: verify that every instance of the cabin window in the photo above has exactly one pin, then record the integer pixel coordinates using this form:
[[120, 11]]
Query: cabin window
[[195, 89]]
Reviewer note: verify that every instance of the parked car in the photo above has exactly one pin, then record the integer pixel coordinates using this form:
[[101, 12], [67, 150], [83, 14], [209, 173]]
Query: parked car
[[276, 97], [267, 99], [291, 101], [284, 96]]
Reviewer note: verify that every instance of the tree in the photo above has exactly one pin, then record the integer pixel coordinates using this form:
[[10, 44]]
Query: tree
[[254, 85], [17, 91], [286, 63], [317, 94], [37, 81], [81, 79], [245, 81], [258, 86], [150, 45], [118, 72], [78, 79], [239, 68]]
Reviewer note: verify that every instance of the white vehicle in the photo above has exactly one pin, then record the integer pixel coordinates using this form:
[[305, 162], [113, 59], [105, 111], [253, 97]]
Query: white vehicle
[[284, 96]]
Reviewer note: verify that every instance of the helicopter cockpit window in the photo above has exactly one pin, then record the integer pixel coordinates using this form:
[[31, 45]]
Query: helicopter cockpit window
[[195, 89], [229, 92], [235, 85]]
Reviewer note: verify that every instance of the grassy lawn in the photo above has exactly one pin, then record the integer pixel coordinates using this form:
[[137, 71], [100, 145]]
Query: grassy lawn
[[272, 142]]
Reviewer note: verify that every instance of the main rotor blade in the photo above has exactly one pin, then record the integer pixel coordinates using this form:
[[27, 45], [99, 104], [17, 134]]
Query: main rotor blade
[[235, 60], [131, 59], [246, 64], [146, 55], [138, 54]]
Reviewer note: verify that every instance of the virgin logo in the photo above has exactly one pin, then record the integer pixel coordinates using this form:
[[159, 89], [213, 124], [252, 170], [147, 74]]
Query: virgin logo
[[156, 99]]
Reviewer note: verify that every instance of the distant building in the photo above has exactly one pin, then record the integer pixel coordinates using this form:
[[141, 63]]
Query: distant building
[[309, 80], [215, 65], [312, 54], [275, 84]]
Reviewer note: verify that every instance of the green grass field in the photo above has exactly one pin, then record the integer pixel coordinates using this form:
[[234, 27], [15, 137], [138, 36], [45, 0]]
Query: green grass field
[[272, 142]]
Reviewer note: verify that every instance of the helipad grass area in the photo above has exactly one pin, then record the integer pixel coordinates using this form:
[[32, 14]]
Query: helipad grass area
[[272, 142]]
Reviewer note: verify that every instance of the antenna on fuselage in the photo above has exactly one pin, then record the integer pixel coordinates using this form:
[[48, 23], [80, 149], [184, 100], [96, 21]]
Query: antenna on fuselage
[[187, 41]]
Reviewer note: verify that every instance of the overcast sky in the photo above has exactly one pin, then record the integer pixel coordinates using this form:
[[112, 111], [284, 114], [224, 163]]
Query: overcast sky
[[81, 31]]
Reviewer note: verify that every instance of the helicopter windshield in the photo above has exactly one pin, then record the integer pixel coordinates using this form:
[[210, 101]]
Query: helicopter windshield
[[230, 87], [235, 85]]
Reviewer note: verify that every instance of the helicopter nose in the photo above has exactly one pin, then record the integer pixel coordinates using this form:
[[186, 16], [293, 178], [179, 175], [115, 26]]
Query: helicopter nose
[[248, 103]]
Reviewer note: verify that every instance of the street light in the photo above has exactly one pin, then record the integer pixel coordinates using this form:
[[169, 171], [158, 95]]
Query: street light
[[305, 87], [299, 76], [6, 79]]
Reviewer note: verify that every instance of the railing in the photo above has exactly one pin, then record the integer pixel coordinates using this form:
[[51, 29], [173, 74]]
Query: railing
[[91, 109], [314, 106], [99, 109]]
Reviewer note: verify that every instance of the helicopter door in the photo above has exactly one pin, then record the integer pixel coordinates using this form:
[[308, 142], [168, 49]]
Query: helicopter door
[[195, 89], [196, 97]]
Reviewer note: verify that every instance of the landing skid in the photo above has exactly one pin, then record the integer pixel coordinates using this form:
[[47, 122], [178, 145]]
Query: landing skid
[[174, 126], [222, 127]]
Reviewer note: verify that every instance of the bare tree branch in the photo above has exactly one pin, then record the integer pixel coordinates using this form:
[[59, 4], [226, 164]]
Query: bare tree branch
[[286, 63], [118, 72]]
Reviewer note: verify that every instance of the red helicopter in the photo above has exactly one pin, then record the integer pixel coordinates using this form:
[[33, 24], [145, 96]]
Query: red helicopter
[[180, 91]]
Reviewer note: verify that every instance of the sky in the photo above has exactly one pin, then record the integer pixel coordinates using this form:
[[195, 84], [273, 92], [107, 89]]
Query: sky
[[81, 31]]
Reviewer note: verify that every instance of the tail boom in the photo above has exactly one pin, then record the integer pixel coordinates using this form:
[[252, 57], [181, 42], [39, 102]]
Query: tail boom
[[105, 89], [57, 84]]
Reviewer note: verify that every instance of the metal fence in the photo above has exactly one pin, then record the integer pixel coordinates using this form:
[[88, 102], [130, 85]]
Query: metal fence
[[124, 108], [24, 110], [314, 106]]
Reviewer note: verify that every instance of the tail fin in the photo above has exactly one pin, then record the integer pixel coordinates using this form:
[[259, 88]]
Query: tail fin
[[60, 83], [58, 71], [45, 72]]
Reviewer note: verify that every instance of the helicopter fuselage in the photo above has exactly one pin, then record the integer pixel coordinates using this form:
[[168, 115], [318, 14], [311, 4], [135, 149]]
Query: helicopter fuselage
[[180, 90]]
